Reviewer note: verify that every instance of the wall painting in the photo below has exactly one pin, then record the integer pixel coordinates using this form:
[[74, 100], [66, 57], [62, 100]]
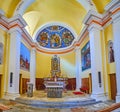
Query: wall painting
[[85, 56], [24, 57]]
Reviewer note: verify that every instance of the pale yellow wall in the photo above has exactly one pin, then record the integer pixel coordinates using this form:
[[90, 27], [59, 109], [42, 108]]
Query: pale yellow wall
[[86, 72], [43, 64], [3, 67], [2, 40], [108, 33], [108, 68], [25, 74], [68, 65]]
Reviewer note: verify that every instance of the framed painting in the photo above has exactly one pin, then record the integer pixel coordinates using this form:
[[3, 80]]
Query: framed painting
[[85, 57], [24, 57]]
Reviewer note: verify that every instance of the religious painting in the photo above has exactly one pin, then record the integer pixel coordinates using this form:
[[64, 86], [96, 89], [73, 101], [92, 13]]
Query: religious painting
[[54, 37], [24, 57], [55, 41], [111, 52], [67, 38], [1, 53], [85, 56], [43, 40]]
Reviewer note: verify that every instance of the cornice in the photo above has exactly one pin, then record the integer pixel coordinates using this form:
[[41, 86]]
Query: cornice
[[92, 15], [17, 19], [114, 8], [112, 5]]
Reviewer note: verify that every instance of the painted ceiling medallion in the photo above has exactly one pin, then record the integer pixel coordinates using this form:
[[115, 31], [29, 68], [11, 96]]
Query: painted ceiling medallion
[[55, 37]]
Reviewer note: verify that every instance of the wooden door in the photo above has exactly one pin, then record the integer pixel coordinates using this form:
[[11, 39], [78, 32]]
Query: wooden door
[[0, 84], [24, 85], [20, 84], [113, 86]]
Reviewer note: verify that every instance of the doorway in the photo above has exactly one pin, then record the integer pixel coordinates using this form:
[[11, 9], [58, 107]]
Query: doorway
[[20, 84], [113, 86], [0, 84], [90, 83]]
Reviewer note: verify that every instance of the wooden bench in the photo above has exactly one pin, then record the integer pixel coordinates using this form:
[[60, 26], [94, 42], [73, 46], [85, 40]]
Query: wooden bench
[[110, 108]]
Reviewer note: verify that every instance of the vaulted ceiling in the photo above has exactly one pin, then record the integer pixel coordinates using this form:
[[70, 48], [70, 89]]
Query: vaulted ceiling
[[40, 12]]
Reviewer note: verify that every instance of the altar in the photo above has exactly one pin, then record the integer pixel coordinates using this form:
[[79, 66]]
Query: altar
[[54, 89], [55, 84]]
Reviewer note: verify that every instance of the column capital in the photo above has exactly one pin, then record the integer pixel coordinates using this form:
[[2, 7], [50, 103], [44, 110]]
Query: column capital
[[94, 26], [15, 29], [77, 48], [93, 20], [33, 49]]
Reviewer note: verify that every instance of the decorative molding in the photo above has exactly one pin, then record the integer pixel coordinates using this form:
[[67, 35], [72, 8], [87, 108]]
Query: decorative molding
[[116, 17], [92, 19], [17, 19], [112, 4], [22, 6], [92, 15], [92, 26]]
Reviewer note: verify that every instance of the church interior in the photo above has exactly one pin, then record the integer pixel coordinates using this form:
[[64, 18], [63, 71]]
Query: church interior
[[59, 48]]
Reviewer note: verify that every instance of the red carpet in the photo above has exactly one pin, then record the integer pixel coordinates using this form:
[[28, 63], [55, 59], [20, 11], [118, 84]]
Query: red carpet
[[78, 93]]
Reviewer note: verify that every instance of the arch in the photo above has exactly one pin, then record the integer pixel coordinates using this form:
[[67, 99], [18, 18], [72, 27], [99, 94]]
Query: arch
[[87, 4], [51, 24], [22, 6], [62, 43]]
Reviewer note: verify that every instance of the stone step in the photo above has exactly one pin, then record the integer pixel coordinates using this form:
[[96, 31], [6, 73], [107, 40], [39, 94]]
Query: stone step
[[56, 104]]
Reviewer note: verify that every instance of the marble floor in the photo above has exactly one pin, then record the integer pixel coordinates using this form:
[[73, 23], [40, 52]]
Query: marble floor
[[18, 107]]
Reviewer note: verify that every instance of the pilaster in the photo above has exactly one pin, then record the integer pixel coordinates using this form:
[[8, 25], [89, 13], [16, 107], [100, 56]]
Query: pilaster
[[94, 22], [78, 68], [33, 67], [14, 64]]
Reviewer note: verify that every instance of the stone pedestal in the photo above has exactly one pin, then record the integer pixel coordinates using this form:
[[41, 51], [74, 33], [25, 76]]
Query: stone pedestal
[[29, 89]]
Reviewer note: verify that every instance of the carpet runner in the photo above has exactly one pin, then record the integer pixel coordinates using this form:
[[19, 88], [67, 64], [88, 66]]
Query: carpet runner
[[77, 93]]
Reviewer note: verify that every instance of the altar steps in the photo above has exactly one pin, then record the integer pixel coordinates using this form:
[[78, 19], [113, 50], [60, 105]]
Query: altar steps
[[57, 104]]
